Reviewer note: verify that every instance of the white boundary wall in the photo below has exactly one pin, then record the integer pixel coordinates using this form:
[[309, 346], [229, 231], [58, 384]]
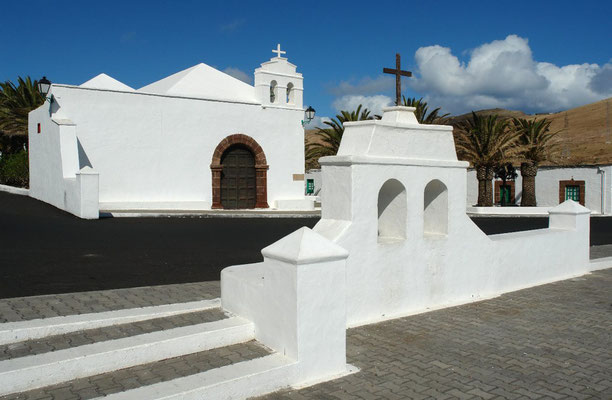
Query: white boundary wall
[[394, 197], [439, 257]]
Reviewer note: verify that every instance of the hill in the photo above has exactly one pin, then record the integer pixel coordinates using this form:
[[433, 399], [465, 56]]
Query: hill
[[585, 132]]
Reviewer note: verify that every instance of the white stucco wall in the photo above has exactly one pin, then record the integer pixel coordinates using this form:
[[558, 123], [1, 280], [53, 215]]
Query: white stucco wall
[[547, 186], [158, 149], [55, 174], [436, 264]]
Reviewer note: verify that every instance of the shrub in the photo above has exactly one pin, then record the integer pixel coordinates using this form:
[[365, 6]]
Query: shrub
[[14, 169]]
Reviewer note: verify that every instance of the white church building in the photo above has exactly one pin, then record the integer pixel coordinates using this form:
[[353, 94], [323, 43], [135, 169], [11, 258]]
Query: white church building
[[196, 140]]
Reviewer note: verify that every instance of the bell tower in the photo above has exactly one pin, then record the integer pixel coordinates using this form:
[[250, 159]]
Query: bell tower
[[277, 83]]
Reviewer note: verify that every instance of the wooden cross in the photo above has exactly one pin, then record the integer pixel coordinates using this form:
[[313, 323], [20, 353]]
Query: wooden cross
[[278, 51], [398, 74]]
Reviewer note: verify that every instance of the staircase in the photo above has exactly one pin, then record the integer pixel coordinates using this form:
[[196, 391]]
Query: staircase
[[283, 323], [199, 353]]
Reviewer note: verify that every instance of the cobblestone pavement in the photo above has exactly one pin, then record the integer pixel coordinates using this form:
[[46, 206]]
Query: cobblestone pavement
[[551, 341], [59, 342], [147, 374], [546, 342], [25, 308], [601, 251]]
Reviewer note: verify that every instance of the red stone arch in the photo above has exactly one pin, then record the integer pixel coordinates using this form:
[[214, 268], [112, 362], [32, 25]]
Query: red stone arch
[[261, 169]]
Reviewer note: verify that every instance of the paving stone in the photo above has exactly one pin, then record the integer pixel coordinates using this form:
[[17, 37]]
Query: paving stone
[[130, 378], [31, 347], [20, 309], [552, 341]]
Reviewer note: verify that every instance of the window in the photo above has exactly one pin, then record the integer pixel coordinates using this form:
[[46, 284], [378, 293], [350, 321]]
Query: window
[[309, 186], [435, 208], [572, 192], [290, 93], [273, 91], [392, 212]]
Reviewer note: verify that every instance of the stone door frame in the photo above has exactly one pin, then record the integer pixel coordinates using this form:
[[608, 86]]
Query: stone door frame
[[261, 169]]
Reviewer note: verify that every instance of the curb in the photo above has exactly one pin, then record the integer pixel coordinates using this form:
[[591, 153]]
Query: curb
[[15, 190]]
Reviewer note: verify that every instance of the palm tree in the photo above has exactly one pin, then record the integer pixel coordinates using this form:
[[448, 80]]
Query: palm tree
[[486, 142], [329, 138], [421, 111], [536, 145], [16, 101]]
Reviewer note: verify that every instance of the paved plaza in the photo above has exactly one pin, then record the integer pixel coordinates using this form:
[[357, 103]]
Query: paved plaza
[[547, 342]]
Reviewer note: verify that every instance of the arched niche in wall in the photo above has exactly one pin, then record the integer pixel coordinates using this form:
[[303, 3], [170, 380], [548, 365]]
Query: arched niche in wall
[[392, 211], [273, 89], [435, 208], [290, 93]]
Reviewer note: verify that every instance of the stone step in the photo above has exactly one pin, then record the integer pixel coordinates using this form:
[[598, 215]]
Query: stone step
[[51, 368], [134, 379], [11, 332], [89, 336], [237, 381]]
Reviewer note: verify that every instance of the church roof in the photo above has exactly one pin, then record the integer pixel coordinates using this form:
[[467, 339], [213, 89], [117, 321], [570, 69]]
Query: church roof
[[203, 81], [104, 81]]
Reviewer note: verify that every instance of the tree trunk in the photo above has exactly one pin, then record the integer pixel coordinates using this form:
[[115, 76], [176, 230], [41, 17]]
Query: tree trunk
[[490, 174], [529, 170], [484, 176]]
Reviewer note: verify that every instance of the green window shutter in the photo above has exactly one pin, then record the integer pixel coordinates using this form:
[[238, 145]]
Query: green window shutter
[[504, 194], [309, 186], [572, 193]]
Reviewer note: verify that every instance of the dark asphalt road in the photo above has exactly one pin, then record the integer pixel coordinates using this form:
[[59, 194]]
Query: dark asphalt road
[[44, 250]]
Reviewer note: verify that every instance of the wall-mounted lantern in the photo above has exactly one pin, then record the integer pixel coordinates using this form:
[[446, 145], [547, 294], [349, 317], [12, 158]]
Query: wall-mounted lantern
[[43, 87], [309, 114]]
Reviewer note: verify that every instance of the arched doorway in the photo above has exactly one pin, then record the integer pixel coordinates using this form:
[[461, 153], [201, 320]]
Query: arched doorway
[[238, 188], [239, 172]]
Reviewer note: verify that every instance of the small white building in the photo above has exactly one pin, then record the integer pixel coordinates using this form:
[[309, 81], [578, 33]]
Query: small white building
[[196, 140], [588, 185]]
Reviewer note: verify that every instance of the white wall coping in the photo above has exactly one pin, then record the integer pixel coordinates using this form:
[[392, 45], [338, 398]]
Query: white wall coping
[[15, 190], [509, 210], [158, 95], [379, 122], [348, 159]]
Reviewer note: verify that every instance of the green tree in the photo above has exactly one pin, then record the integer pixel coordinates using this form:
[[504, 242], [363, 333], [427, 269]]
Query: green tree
[[16, 101], [421, 114], [486, 142], [536, 144], [328, 140]]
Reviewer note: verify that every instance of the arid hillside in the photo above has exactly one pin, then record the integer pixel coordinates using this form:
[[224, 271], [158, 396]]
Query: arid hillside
[[585, 132]]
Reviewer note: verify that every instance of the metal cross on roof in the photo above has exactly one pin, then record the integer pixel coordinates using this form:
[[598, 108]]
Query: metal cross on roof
[[398, 74], [278, 51]]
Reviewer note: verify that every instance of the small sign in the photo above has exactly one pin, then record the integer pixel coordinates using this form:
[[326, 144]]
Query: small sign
[[298, 177]]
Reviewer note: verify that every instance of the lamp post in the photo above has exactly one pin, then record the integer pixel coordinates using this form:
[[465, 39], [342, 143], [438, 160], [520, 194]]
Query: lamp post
[[309, 114], [43, 87]]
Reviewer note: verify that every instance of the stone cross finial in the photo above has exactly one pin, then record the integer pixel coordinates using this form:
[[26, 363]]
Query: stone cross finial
[[278, 51], [398, 74]]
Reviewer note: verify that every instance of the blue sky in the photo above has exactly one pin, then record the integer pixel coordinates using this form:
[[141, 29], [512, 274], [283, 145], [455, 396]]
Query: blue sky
[[537, 56]]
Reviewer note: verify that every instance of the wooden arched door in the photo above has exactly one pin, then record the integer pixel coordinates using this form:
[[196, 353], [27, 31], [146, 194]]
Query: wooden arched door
[[238, 178]]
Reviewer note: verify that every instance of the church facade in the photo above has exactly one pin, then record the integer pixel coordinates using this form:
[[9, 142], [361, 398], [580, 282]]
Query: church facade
[[196, 140]]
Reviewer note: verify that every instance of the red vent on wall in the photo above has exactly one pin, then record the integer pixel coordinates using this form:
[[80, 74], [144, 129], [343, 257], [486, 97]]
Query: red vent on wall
[[39, 127]]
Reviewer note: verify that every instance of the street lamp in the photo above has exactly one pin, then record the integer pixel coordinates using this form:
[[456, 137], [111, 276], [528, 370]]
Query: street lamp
[[310, 114], [43, 87]]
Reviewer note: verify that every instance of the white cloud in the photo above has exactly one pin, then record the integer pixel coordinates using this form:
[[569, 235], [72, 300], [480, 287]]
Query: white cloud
[[372, 103], [239, 74], [504, 74]]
